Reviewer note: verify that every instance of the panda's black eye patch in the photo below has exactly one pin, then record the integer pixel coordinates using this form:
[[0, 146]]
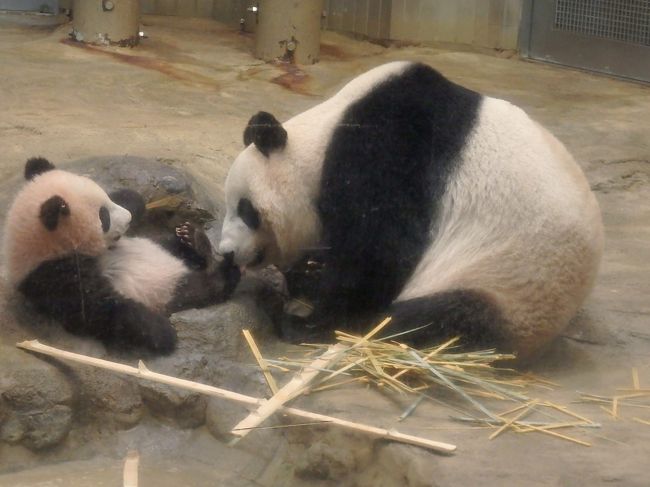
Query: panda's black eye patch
[[247, 212], [105, 218]]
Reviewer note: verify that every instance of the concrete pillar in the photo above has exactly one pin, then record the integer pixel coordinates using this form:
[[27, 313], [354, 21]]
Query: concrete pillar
[[289, 30], [106, 21]]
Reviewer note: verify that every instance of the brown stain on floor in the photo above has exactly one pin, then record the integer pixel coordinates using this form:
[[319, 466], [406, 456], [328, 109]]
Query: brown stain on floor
[[294, 79], [333, 52], [150, 63]]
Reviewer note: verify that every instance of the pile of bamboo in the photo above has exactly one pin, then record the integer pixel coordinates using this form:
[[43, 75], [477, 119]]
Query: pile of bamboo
[[475, 378]]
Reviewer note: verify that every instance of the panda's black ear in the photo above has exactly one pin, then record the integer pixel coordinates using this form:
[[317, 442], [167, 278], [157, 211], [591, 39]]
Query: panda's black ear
[[36, 166], [265, 132], [52, 210]]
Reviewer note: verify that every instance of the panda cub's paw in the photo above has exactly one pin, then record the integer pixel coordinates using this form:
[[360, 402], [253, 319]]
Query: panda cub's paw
[[195, 239]]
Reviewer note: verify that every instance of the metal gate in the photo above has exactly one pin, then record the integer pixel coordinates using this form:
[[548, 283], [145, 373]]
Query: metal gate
[[44, 6], [608, 36]]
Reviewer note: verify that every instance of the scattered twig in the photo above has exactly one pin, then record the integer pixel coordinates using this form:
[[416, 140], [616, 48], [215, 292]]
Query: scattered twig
[[261, 362]]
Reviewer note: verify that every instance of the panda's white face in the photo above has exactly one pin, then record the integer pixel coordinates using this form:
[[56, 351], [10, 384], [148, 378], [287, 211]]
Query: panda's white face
[[246, 234], [115, 221], [55, 214], [270, 192]]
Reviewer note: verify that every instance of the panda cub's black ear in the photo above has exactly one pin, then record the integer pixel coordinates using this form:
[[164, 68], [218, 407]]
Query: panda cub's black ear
[[54, 208], [265, 132], [36, 166]]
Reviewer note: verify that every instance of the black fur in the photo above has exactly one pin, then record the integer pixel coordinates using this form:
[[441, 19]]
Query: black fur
[[105, 218], [247, 212], [384, 173], [199, 289], [472, 315], [73, 291], [132, 201], [265, 132], [51, 210], [36, 166]]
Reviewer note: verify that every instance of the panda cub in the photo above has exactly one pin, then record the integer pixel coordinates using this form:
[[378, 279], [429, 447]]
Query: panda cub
[[66, 252], [452, 212]]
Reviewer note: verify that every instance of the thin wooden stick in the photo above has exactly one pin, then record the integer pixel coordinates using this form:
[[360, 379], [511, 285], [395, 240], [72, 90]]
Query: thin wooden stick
[[260, 360], [565, 410], [144, 373], [130, 473], [292, 389], [510, 422], [559, 435], [642, 421]]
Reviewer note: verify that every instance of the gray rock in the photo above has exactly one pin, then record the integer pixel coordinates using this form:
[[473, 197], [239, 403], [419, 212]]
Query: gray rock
[[28, 382], [37, 400], [217, 330], [12, 430], [210, 344], [183, 408], [106, 397], [45, 428]]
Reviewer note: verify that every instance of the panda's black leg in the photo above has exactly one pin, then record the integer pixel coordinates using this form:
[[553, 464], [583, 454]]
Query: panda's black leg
[[202, 288], [472, 315], [132, 324]]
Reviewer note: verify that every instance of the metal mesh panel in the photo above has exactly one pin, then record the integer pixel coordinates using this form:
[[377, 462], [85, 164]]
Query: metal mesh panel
[[622, 20]]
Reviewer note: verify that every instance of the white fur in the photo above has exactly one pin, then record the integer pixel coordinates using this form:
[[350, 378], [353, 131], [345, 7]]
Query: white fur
[[539, 258], [141, 270]]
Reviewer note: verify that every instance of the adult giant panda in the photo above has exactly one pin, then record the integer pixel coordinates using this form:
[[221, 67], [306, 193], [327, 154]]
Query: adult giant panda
[[64, 250], [435, 205]]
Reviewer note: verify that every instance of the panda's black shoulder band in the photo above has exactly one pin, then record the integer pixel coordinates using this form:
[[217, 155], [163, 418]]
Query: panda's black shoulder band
[[265, 132], [36, 166]]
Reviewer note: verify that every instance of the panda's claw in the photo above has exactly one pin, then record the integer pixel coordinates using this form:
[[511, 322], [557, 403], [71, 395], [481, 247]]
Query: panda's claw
[[185, 233]]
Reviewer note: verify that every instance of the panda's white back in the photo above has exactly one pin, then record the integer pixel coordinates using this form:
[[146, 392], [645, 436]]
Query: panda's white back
[[540, 257]]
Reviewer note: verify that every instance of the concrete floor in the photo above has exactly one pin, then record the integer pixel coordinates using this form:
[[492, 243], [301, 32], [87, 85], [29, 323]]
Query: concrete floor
[[185, 95]]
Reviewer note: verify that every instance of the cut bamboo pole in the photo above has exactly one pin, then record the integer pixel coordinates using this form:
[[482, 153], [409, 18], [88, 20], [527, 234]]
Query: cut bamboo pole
[[289, 391], [142, 372], [299, 383], [131, 464], [261, 362]]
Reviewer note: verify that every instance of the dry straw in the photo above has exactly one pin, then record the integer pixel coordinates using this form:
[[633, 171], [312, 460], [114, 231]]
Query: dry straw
[[475, 378]]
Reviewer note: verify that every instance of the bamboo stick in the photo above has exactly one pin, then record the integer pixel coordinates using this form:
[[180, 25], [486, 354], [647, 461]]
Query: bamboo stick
[[142, 372], [289, 391], [261, 362], [130, 473], [512, 421], [558, 435]]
